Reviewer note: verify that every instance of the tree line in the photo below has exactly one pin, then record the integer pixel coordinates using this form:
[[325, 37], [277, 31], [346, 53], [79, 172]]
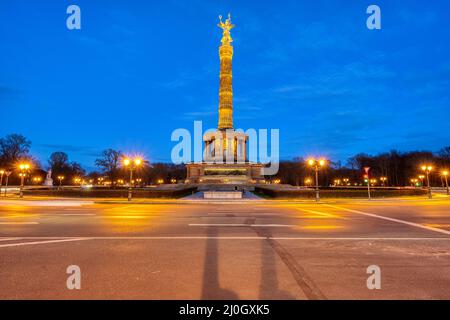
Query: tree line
[[15, 149], [398, 167]]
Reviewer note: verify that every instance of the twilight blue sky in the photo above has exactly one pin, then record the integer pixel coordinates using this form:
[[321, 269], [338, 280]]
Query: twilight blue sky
[[139, 69]]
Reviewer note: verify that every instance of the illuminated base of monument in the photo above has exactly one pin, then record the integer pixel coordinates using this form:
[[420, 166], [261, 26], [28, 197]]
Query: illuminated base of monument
[[225, 160], [224, 173]]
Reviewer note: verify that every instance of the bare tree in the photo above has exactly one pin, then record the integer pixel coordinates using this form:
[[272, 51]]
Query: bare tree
[[109, 163], [58, 160], [445, 153], [12, 148]]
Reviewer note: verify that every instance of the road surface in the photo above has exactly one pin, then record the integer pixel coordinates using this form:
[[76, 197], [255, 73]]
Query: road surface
[[253, 250]]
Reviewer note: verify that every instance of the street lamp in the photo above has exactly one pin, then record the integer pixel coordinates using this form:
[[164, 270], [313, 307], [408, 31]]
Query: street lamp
[[36, 180], [308, 181], [132, 164], [445, 174], [7, 174], [421, 177], [78, 181], [23, 168], [2, 172], [427, 169], [60, 178], [316, 165]]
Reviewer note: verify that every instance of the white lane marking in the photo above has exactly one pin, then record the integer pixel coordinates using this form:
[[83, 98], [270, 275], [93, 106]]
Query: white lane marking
[[43, 203], [223, 238], [360, 238], [417, 225], [271, 225], [39, 242], [9, 239], [8, 223], [236, 225]]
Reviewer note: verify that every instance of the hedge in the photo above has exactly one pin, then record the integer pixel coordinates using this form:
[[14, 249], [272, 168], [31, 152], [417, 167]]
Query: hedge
[[112, 193], [339, 193]]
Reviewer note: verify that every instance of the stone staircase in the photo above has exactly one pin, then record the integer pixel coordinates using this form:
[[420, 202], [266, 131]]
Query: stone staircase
[[225, 187]]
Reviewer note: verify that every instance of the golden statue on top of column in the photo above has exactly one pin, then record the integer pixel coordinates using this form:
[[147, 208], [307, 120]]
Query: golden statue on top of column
[[226, 27]]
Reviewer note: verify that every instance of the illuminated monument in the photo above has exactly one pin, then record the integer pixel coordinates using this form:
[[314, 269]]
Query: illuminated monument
[[225, 152]]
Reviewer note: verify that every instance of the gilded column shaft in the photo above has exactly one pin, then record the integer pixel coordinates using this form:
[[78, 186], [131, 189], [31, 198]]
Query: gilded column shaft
[[226, 77]]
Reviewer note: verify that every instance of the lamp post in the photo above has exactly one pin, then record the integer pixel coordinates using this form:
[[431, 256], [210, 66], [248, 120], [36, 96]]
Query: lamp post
[[427, 169], [421, 177], [22, 177], [23, 168], [366, 170], [132, 164], [78, 181], [2, 172], [7, 174], [37, 180], [316, 165], [308, 182], [445, 174], [60, 178]]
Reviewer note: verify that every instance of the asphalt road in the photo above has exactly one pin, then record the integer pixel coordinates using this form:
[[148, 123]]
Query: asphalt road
[[254, 250]]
